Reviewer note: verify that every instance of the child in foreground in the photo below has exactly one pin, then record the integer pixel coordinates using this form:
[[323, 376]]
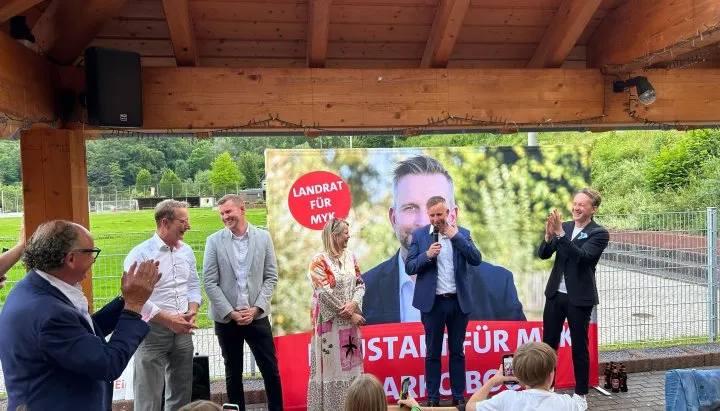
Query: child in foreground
[[534, 367]]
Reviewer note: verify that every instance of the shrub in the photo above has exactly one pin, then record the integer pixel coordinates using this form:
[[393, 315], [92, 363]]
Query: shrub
[[679, 162]]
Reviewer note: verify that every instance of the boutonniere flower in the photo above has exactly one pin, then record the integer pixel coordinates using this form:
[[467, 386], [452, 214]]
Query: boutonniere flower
[[582, 235]]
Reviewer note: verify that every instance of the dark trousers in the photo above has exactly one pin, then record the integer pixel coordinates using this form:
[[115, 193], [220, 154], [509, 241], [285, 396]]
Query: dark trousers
[[258, 335], [557, 309], [445, 312]]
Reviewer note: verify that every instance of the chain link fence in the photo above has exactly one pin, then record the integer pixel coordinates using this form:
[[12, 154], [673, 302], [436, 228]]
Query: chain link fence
[[111, 198], [657, 281], [11, 200]]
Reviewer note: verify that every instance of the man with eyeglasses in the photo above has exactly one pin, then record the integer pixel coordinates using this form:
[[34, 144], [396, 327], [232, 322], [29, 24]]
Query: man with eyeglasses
[[165, 358], [53, 351]]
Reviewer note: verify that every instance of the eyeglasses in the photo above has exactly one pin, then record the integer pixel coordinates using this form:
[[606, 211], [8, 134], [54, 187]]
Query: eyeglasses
[[95, 251]]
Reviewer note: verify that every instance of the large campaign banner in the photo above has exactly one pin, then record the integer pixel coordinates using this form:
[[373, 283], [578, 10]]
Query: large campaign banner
[[501, 194], [395, 351]]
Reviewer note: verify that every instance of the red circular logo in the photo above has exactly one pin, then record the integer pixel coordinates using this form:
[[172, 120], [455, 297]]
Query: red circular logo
[[317, 197]]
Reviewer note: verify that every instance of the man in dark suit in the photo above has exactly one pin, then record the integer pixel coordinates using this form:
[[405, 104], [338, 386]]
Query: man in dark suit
[[438, 255], [53, 352], [389, 290], [571, 291]]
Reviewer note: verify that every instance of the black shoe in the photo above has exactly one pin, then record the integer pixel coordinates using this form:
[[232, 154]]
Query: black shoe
[[461, 401], [431, 403]]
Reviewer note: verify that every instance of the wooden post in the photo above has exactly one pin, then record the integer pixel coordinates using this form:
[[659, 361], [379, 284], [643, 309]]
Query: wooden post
[[54, 179]]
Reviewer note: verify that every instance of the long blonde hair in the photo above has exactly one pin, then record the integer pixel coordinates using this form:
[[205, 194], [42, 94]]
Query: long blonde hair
[[333, 227], [366, 394]]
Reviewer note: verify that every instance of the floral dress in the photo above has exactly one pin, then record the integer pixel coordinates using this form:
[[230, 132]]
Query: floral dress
[[336, 351]]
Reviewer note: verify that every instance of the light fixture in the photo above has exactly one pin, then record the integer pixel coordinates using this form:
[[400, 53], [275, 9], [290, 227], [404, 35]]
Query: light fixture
[[645, 91]]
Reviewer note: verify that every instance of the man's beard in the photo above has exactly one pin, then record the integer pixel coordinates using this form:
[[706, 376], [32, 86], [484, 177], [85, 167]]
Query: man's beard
[[405, 238]]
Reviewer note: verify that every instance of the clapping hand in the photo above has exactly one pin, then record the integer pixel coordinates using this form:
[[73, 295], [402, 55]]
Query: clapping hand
[[556, 220], [21, 239], [548, 228], [138, 283]]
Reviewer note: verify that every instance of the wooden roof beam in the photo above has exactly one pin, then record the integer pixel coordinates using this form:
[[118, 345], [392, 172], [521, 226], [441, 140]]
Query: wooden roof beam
[[443, 35], [563, 32], [640, 33], [26, 87], [15, 8], [67, 27], [182, 32], [317, 32]]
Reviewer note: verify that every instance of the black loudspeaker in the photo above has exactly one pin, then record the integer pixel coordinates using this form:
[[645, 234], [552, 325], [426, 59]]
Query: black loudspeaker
[[114, 90], [201, 378], [64, 104]]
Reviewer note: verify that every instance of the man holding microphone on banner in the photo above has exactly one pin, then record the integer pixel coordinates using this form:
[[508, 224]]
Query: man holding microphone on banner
[[439, 254], [571, 291], [389, 290]]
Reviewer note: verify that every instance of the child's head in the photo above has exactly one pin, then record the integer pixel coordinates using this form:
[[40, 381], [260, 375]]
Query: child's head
[[533, 363], [366, 393]]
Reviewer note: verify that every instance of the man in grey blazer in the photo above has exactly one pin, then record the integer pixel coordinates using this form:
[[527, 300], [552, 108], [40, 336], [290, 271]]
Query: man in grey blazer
[[239, 274]]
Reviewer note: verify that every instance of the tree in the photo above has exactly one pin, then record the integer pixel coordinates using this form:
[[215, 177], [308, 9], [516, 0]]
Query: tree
[[116, 176], [170, 184], [143, 180], [202, 183], [251, 166], [201, 157], [9, 162], [224, 175], [182, 169]]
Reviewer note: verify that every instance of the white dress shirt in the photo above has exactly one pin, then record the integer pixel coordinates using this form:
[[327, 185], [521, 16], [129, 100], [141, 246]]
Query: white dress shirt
[[240, 245], [528, 400], [179, 284], [563, 287], [72, 292], [408, 313], [445, 266]]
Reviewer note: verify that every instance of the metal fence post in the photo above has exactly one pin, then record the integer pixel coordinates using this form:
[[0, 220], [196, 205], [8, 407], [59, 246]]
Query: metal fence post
[[712, 272]]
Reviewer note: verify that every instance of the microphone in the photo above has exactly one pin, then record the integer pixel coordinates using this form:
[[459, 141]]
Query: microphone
[[436, 238]]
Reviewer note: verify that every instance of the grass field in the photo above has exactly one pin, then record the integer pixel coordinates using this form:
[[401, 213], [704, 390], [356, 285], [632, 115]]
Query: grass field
[[116, 234]]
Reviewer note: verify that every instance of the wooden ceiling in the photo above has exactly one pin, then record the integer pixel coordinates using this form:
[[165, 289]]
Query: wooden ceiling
[[359, 33], [376, 64], [323, 33]]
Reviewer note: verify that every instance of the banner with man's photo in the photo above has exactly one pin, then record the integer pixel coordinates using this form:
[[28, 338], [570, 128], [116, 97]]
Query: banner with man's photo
[[501, 194]]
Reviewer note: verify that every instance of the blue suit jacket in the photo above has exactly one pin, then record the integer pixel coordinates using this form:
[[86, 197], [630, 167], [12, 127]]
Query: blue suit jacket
[[51, 357], [464, 253], [494, 296]]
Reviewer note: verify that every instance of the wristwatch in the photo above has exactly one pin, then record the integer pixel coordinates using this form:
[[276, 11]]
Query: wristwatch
[[132, 313]]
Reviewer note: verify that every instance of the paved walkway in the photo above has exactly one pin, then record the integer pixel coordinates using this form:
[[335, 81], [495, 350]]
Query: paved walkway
[[646, 391]]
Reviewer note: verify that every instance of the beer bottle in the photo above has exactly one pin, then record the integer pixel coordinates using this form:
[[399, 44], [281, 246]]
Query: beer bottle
[[615, 380], [622, 376], [608, 371]]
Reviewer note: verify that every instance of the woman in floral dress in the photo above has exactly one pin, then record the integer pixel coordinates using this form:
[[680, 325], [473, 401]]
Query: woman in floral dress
[[336, 353]]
